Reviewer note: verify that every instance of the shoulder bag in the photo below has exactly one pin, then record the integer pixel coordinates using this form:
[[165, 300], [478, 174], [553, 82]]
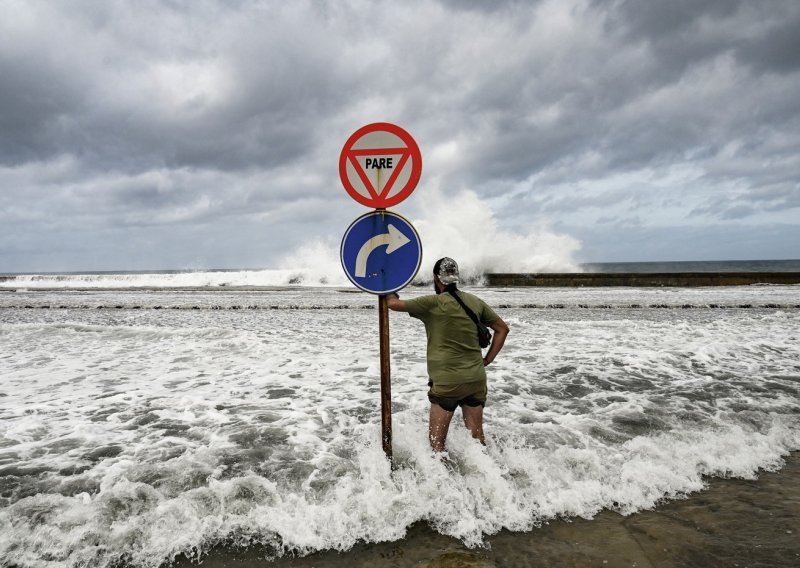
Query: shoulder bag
[[484, 335]]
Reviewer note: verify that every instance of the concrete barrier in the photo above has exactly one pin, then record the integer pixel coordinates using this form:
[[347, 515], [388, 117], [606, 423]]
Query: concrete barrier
[[643, 280]]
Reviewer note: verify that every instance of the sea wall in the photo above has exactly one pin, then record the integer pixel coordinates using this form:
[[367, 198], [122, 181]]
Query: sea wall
[[642, 280]]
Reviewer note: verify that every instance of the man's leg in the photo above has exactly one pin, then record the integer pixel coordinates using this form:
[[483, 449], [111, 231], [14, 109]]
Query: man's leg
[[473, 420], [438, 426]]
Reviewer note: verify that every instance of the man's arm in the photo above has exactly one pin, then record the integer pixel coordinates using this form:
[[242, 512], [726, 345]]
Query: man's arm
[[395, 304], [501, 330]]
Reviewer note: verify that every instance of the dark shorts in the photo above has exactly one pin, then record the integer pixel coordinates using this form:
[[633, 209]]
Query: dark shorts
[[451, 397]]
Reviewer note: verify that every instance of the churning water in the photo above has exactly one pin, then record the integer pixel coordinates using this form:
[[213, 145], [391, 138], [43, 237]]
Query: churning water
[[138, 425]]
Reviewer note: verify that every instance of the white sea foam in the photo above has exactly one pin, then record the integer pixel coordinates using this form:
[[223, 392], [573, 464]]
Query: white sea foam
[[141, 433], [192, 279]]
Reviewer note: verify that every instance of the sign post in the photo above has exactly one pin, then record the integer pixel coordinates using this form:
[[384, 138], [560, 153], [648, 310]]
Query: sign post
[[380, 165], [386, 377]]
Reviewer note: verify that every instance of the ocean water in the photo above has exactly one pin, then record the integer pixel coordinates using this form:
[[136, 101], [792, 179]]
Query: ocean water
[[137, 425], [696, 266], [328, 273]]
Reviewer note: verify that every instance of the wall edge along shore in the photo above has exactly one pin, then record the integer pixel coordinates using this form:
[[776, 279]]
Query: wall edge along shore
[[641, 279]]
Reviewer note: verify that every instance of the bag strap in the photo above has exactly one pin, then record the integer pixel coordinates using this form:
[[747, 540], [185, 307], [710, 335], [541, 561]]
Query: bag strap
[[470, 313]]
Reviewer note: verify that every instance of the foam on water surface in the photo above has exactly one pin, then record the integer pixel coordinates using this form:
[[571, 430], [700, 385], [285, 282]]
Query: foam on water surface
[[140, 434]]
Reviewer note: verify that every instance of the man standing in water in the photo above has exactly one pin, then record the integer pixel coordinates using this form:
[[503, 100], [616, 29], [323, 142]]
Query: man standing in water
[[455, 362]]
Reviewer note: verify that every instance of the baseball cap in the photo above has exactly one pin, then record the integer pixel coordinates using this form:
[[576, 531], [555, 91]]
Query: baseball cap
[[447, 270]]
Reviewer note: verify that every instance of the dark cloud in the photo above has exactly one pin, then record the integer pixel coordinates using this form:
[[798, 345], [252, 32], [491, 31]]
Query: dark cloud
[[684, 32], [481, 6], [777, 48], [122, 100], [652, 19], [36, 105]]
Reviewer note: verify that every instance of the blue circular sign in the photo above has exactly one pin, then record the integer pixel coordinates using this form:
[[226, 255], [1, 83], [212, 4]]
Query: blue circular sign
[[381, 252]]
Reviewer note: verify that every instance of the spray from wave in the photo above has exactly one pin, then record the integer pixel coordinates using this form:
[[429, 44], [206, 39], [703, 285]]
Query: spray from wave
[[461, 226], [465, 228]]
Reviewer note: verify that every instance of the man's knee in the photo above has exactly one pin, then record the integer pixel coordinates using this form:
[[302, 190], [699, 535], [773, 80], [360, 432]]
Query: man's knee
[[472, 414], [473, 420], [438, 427]]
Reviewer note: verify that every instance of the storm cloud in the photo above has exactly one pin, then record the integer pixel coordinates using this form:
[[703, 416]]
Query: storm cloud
[[203, 134]]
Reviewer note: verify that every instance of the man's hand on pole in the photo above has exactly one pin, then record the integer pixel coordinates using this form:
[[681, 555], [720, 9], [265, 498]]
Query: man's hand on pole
[[395, 303]]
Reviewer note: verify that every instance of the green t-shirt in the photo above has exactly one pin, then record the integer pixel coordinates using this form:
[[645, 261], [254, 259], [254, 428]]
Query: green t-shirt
[[454, 355]]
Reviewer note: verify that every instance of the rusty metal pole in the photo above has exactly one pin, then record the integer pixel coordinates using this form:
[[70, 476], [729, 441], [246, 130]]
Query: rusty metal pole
[[386, 383]]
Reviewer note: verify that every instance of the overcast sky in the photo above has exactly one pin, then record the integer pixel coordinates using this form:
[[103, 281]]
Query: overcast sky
[[199, 134]]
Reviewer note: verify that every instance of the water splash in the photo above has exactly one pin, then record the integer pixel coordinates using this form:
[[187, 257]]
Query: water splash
[[462, 226]]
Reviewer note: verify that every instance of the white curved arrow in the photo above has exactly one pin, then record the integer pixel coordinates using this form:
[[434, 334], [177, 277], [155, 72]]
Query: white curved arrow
[[394, 239]]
